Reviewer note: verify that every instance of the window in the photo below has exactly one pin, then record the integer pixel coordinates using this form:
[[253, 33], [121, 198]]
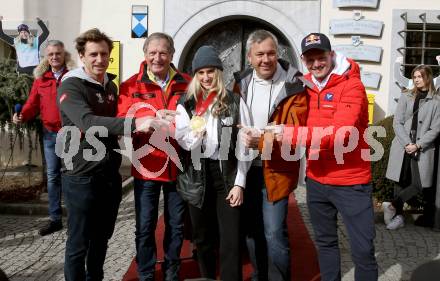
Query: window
[[422, 45]]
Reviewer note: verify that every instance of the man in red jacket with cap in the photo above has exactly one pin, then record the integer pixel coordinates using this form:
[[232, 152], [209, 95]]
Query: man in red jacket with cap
[[338, 179]]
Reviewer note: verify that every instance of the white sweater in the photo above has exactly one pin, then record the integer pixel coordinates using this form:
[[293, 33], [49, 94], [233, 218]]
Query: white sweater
[[262, 94]]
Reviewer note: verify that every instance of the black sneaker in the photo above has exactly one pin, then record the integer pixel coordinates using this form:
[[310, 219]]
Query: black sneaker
[[424, 221], [51, 227]]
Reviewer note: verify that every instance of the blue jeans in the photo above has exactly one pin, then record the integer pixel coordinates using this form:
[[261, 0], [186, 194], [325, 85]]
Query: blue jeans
[[53, 165], [146, 195], [355, 206], [266, 230], [92, 205]]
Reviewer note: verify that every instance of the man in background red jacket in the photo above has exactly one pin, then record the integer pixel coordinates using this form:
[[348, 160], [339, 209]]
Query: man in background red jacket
[[42, 100], [338, 180]]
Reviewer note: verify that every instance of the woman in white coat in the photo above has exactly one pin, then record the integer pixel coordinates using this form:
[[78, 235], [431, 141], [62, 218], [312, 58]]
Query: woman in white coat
[[416, 125]]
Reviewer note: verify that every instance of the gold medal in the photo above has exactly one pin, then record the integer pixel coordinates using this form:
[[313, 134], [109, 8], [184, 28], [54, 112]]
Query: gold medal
[[197, 124]]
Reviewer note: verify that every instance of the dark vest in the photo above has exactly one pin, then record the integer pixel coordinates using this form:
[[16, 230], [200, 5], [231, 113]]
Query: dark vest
[[191, 183]]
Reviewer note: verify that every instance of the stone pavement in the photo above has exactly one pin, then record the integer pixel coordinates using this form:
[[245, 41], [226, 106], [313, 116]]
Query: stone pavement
[[398, 252], [26, 256]]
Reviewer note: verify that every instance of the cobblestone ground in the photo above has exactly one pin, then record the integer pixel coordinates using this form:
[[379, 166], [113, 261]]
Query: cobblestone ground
[[26, 256], [398, 252]]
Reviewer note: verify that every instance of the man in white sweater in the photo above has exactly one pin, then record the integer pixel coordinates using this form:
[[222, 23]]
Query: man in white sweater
[[274, 94]]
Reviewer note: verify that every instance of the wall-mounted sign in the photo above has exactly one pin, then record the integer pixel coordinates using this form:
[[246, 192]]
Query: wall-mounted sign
[[355, 3], [371, 79], [139, 21], [361, 27], [356, 40], [114, 66], [357, 15], [361, 53]]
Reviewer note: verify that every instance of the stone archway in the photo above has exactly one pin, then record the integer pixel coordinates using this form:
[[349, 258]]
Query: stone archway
[[229, 38], [185, 22]]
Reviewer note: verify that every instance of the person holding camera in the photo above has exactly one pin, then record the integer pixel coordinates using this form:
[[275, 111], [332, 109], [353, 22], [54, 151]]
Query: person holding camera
[[416, 125]]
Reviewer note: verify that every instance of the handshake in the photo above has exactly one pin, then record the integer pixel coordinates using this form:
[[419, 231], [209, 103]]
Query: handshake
[[161, 122]]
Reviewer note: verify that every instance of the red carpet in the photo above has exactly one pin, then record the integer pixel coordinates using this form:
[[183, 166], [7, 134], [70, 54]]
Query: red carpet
[[304, 258]]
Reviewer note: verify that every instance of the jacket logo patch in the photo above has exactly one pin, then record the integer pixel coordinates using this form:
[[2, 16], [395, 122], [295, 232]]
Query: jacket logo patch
[[313, 39], [110, 98], [99, 96], [63, 97], [328, 97]]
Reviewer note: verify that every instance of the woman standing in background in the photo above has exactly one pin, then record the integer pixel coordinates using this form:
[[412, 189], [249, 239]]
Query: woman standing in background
[[416, 125]]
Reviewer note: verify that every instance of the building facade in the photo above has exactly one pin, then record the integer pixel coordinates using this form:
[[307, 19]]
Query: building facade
[[386, 37]]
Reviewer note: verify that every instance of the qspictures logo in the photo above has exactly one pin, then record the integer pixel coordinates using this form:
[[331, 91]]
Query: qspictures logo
[[293, 143]]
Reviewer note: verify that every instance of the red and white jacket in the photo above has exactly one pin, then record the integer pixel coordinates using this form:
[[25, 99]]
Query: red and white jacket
[[341, 102], [139, 88]]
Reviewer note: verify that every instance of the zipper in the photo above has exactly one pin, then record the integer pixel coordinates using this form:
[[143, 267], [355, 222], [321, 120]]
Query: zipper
[[169, 168], [319, 99], [165, 103]]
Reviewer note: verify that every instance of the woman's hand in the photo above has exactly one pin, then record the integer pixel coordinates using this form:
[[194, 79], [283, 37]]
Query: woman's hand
[[201, 134], [411, 148], [235, 196]]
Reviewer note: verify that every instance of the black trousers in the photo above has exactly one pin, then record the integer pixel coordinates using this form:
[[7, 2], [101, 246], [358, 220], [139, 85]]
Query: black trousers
[[92, 204], [217, 222]]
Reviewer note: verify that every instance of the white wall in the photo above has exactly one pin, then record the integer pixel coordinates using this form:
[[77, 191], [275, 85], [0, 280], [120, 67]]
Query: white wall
[[383, 13], [66, 19]]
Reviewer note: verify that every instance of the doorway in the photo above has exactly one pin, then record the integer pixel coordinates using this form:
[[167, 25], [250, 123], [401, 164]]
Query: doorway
[[229, 37]]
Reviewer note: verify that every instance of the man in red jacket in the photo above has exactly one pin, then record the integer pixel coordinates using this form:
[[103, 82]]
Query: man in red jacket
[[156, 88], [338, 179], [42, 100]]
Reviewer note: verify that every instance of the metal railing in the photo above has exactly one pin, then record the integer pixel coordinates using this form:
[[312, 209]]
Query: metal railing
[[422, 28]]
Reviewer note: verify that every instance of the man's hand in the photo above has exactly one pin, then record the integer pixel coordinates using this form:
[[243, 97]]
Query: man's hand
[[235, 196], [411, 148], [160, 124], [148, 124], [250, 137], [276, 130], [438, 59], [1, 18], [166, 114], [16, 119]]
